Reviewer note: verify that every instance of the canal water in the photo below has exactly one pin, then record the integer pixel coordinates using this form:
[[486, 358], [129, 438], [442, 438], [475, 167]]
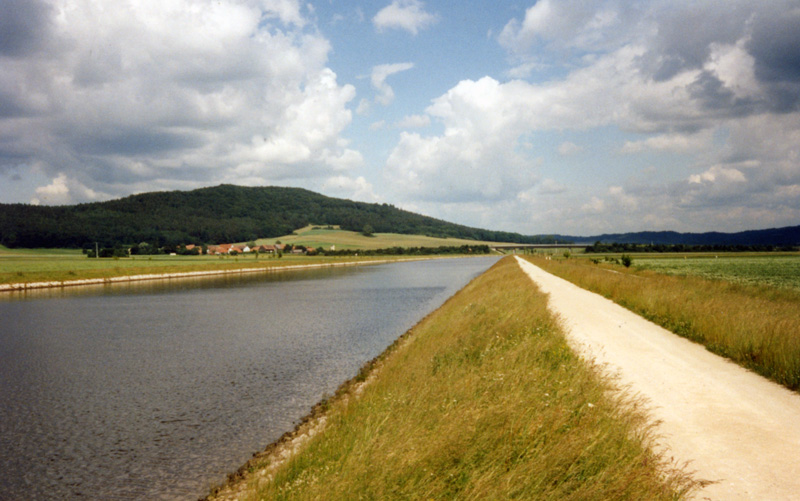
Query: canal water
[[157, 390]]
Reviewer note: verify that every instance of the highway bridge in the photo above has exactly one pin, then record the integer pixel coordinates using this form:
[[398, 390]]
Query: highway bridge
[[508, 247]]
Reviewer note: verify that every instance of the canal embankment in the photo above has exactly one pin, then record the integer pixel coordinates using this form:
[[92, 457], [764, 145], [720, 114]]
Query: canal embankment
[[482, 398], [123, 278]]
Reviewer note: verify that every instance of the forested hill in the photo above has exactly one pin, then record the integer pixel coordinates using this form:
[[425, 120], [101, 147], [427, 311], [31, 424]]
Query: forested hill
[[788, 236], [221, 214]]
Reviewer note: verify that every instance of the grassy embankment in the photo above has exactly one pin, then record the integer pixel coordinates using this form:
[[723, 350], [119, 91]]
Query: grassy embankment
[[481, 400], [55, 265], [753, 324]]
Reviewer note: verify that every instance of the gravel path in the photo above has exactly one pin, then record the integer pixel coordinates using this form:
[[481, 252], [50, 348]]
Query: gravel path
[[732, 425]]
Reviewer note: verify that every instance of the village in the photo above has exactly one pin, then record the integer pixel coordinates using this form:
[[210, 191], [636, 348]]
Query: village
[[250, 248]]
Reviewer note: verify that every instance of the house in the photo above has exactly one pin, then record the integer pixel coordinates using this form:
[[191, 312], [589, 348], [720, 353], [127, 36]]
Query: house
[[264, 249]]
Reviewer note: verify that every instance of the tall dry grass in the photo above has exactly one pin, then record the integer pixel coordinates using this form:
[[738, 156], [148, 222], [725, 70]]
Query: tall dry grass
[[755, 326], [482, 400]]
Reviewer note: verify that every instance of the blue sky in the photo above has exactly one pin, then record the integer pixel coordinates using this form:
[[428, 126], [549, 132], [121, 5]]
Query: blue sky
[[551, 116]]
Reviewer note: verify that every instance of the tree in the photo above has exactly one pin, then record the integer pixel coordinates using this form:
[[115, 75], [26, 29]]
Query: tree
[[367, 231]]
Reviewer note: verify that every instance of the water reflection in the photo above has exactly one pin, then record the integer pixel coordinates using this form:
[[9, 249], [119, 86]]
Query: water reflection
[[158, 389]]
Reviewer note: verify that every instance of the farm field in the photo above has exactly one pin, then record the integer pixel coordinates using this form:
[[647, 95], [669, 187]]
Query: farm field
[[314, 236], [779, 270]]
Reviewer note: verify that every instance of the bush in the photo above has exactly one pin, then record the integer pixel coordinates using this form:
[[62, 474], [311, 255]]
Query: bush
[[626, 260]]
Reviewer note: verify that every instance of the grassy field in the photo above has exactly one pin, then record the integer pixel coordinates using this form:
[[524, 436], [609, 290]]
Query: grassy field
[[325, 238], [779, 270], [481, 400], [46, 266], [746, 320]]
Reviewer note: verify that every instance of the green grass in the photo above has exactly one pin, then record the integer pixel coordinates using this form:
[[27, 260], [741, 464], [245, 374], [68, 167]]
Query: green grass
[[42, 267], [754, 324], [343, 239], [779, 270], [482, 400]]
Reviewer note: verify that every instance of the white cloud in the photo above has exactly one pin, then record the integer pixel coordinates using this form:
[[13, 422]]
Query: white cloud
[[378, 78], [587, 25], [734, 67], [62, 190], [676, 143], [595, 205], [346, 187], [363, 107], [177, 94], [409, 15], [718, 173], [703, 95]]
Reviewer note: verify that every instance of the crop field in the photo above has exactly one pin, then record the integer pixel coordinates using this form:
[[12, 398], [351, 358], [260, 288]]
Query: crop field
[[312, 236], [779, 270]]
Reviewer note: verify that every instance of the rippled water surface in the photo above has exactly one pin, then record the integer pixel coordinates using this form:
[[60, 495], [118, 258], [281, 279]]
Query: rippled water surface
[[157, 390]]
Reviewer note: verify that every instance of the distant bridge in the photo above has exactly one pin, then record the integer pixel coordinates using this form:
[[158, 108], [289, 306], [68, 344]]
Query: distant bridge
[[507, 247]]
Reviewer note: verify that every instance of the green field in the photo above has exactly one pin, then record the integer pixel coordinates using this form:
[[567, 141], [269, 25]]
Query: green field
[[314, 236], [779, 270], [48, 266]]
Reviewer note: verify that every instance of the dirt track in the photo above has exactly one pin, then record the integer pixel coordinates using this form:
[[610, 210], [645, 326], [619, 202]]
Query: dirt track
[[733, 426]]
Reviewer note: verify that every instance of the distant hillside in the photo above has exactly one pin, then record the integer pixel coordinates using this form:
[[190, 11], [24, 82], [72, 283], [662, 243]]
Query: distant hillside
[[220, 214], [788, 236]]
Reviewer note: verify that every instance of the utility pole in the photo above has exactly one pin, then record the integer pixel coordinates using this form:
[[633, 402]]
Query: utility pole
[[96, 251]]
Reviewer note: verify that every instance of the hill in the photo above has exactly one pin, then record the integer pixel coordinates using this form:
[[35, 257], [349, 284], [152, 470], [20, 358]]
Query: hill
[[787, 236], [218, 214]]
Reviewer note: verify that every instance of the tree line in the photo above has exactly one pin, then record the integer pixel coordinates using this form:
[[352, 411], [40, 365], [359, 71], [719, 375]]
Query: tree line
[[614, 247]]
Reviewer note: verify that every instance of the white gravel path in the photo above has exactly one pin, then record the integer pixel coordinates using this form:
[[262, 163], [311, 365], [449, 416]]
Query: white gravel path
[[733, 425]]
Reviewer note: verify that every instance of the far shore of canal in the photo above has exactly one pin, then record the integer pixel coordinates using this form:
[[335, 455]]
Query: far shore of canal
[[25, 286]]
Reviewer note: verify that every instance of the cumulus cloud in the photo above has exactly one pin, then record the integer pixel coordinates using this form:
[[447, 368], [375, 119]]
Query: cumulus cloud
[[716, 82], [409, 15], [164, 96], [675, 143], [378, 79], [63, 190], [351, 188]]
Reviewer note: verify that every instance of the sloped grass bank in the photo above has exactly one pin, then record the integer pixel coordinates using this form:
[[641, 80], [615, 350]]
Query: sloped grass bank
[[33, 269], [481, 400], [756, 326]]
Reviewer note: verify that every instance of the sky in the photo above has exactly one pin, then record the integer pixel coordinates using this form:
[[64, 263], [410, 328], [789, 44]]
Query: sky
[[576, 117]]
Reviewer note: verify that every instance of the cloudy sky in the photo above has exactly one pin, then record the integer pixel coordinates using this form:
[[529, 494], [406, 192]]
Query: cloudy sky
[[549, 116]]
